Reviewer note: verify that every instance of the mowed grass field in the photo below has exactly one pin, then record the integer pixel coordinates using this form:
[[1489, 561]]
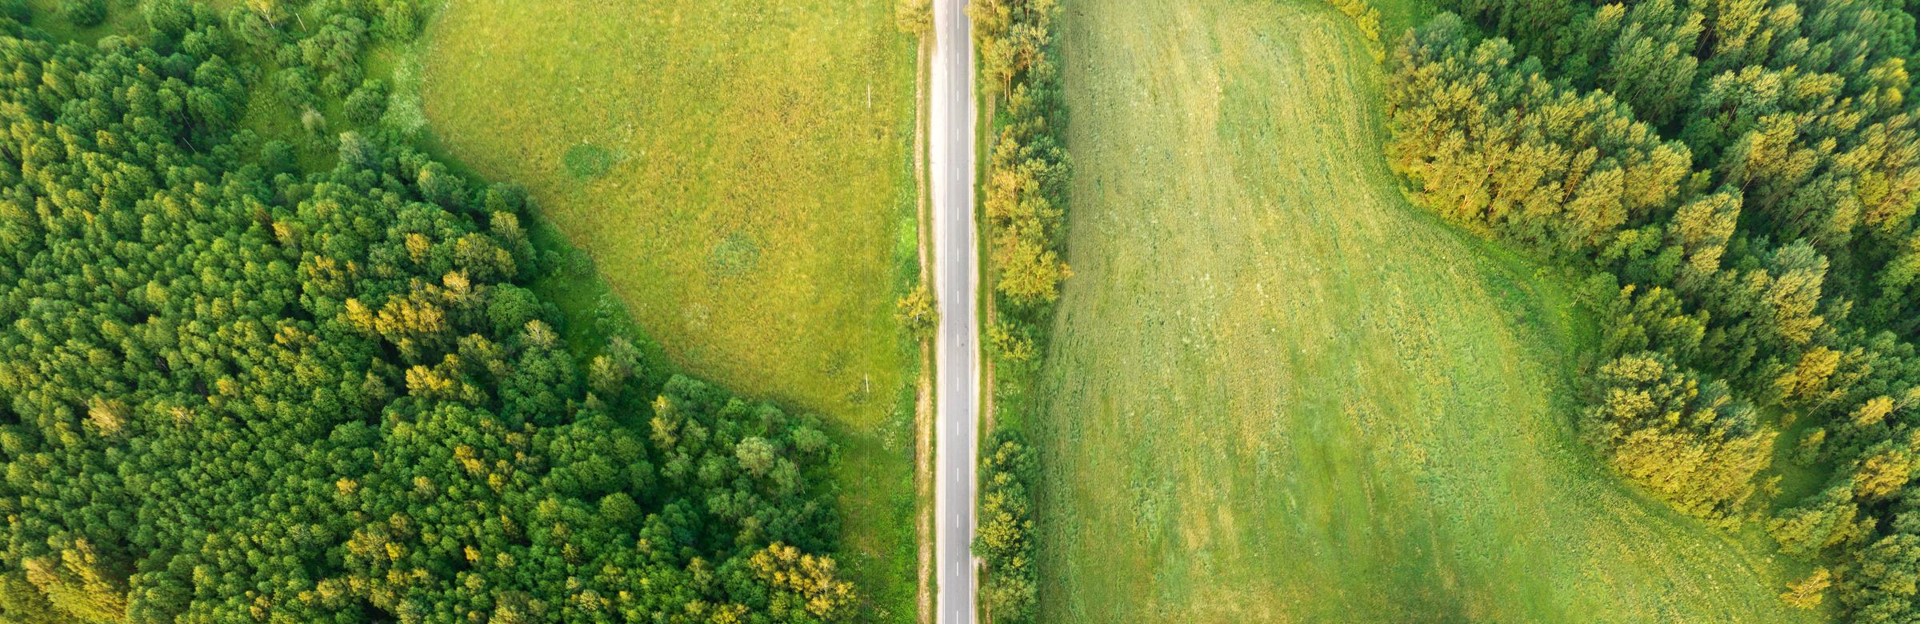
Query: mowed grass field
[[1278, 393], [740, 172]]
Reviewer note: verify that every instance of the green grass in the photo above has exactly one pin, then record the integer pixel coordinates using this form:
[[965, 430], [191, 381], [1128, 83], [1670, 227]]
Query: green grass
[[122, 19], [741, 174], [1278, 393]]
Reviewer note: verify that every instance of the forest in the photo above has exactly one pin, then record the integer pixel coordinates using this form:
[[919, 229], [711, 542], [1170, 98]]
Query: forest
[[301, 378], [263, 358], [1741, 177]]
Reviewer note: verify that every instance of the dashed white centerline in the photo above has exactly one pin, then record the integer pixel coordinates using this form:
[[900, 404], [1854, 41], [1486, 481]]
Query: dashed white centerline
[[951, 131]]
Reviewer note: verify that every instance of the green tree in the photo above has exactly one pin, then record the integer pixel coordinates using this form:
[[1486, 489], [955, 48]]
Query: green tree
[[1807, 592], [918, 313], [915, 16], [1692, 444], [84, 13]]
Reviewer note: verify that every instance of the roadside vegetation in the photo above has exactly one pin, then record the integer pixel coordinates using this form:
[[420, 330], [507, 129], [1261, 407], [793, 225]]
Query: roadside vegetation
[[1023, 208], [1275, 391], [299, 373], [741, 178]]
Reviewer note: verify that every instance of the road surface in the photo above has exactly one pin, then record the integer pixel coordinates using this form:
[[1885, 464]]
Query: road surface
[[956, 281]]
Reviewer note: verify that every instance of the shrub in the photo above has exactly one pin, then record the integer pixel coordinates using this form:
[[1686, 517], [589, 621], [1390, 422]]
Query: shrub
[[84, 13], [918, 313]]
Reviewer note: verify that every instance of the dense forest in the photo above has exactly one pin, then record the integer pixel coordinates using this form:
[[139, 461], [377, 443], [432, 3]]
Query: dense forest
[[236, 385], [1743, 178]]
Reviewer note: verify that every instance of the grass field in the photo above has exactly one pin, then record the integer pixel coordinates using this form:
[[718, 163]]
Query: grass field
[[48, 16], [740, 172], [1278, 393]]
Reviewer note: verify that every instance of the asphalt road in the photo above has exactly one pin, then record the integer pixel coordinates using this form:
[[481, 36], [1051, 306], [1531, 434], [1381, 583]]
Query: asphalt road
[[956, 281]]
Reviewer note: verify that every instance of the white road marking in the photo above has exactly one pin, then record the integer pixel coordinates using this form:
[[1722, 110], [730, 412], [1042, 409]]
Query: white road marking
[[951, 131]]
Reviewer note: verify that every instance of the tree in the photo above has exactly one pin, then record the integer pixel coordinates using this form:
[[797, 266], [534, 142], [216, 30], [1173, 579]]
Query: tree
[[1006, 528], [1808, 381], [756, 456], [808, 579], [1703, 228], [1807, 592], [1827, 519], [1881, 582], [338, 376], [1692, 444], [613, 370], [84, 13], [271, 11], [366, 104], [915, 16], [1796, 285], [1883, 471], [918, 313]]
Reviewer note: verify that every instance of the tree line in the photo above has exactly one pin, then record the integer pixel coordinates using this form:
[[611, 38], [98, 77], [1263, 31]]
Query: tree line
[[236, 389], [1006, 538], [1024, 199], [1024, 188], [1744, 179]]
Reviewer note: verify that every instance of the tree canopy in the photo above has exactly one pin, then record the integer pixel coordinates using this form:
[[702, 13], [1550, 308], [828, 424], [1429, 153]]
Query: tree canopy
[[234, 389], [1744, 181]]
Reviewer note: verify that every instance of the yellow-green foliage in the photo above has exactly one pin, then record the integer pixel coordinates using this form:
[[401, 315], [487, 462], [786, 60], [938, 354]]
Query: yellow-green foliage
[[1485, 138], [1689, 443], [915, 16], [1022, 220], [1807, 592], [918, 312], [1005, 539], [1367, 18], [1024, 180], [1277, 393], [741, 175]]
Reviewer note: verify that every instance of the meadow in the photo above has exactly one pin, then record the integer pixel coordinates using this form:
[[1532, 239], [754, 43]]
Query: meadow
[[740, 175], [1277, 392]]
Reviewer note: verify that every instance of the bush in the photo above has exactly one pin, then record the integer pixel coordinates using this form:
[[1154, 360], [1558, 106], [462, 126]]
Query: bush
[[15, 10], [917, 312], [84, 13], [1368, 20], [365, 105], [1806, 593], [915, 16], [1012, 343]]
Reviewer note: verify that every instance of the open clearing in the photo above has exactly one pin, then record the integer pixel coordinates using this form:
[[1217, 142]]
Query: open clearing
[[741, 174], [1278, 393]]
